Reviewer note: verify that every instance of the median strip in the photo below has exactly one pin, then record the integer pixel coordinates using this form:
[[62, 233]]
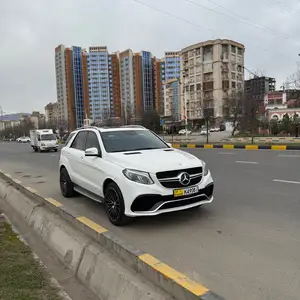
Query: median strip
[[172, 282], [239, 146]]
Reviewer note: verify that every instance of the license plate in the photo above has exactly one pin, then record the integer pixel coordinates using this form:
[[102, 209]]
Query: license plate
[[185, 192]]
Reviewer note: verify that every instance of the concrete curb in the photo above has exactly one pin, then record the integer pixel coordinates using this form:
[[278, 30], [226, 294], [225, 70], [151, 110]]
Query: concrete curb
[[237, 146], [176, 284]]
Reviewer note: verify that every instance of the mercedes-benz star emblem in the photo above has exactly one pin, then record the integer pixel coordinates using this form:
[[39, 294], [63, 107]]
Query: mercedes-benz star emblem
[[184, 178]]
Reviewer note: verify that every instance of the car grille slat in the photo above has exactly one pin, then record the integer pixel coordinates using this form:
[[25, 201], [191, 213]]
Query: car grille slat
[[168, 178]]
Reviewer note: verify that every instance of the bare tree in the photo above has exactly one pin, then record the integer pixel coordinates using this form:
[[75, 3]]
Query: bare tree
[[239, 111], [293, 81]]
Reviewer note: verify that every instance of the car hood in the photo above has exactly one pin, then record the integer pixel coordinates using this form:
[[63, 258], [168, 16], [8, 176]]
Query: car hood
[[156, 160]]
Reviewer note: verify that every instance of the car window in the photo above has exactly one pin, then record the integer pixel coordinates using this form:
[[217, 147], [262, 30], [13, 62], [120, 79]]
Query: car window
[[80, 140], [70, 137], [92, 141], [131, 140]]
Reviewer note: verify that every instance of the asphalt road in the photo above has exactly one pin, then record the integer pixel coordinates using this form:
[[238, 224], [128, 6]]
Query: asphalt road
[[245, 245]]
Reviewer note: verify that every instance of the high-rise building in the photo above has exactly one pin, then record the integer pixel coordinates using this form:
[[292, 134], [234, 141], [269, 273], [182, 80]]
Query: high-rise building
[[127, 84], [172, 65], [99, 83], [70, 70], [61, 85], [210, 71], [147, 81], [171, 104], [172, 84], [158, 85], [115, 89], [138, 86]]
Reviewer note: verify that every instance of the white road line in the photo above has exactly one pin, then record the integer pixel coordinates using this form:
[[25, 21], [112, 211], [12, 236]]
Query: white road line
[[286, 181], [246, 162], [225, 153], [288, 155]]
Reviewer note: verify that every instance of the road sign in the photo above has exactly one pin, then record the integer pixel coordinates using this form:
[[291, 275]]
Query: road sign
[[162, 122]]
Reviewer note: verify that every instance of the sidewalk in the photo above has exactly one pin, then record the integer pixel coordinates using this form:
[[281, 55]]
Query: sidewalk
[[21, 276]]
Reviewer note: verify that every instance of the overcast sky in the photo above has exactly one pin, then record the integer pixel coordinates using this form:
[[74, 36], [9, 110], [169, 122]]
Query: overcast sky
[[30, 30]]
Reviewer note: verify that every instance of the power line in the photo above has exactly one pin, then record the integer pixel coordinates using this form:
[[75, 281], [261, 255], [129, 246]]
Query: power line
[[254, 24], [241, 21], [195, 24], [173, 16], [285, 7]]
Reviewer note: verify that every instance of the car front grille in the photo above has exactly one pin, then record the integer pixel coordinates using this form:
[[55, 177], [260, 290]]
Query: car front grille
[[170, 179]]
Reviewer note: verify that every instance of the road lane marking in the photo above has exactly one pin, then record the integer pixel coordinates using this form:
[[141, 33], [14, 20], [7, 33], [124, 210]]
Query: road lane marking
[[286, 181], [246, 162], [288, 155], [226, 153]]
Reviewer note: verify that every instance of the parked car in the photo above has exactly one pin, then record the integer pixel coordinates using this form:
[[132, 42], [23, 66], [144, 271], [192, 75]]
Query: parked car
[[184, 131], [23, 139], [133, 172], [204, 131]]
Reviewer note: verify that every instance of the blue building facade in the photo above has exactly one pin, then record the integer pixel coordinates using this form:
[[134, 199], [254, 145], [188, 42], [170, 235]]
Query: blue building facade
[[147, 81], [100, 83], [172, 72], [78, 85]]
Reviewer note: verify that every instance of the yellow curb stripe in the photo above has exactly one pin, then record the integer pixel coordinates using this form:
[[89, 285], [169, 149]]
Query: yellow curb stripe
[[17, 181], [7, 175], [277, 147], [32, 190], [192, 286], [176, 145], [208, 146], [54, 202], [89, 223], [227, 146], [251, 147], [191, 146]]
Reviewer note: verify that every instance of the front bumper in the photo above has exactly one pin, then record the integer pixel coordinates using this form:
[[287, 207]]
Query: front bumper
[[47, 148], [152, 200]]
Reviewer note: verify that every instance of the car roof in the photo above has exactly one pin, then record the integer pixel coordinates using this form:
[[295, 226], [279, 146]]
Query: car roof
[[110, 129]]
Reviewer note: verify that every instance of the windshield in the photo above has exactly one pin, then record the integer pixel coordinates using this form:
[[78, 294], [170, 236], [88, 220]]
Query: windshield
[[131, 140], [48, 137]]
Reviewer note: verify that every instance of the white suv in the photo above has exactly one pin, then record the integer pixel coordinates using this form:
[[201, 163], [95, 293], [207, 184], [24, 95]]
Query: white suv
[[133, 172]]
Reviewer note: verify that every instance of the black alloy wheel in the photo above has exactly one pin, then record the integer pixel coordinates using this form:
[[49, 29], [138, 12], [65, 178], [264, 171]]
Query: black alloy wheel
[[66, 185], [114, 205]]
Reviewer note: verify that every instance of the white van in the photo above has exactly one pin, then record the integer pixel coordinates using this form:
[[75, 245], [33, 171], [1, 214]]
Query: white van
[[43, 140]]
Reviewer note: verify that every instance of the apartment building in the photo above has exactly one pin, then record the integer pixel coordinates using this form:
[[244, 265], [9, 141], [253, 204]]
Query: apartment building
[[158, 78], [147, 71], [171, 104], [210, 71], [51, 113], [70, 69], [115, 88], [99, 83], [172, 65], [61, 83], [172, 84], [127, 83]]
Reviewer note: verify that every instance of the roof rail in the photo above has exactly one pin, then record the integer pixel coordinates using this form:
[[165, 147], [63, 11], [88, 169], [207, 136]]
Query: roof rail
[[133, 126], [84, 127]]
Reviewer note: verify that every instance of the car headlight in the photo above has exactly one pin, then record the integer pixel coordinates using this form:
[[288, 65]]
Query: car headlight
[[42, 144], [138, 176], [205, 169]]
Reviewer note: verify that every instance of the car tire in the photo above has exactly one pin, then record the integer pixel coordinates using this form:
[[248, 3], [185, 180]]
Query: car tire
[[55, 150], [114, 205], [66, 184], [35, 149]]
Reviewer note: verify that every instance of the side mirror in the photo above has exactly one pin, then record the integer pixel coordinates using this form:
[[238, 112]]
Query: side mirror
[[92, 152], [170, 145]]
